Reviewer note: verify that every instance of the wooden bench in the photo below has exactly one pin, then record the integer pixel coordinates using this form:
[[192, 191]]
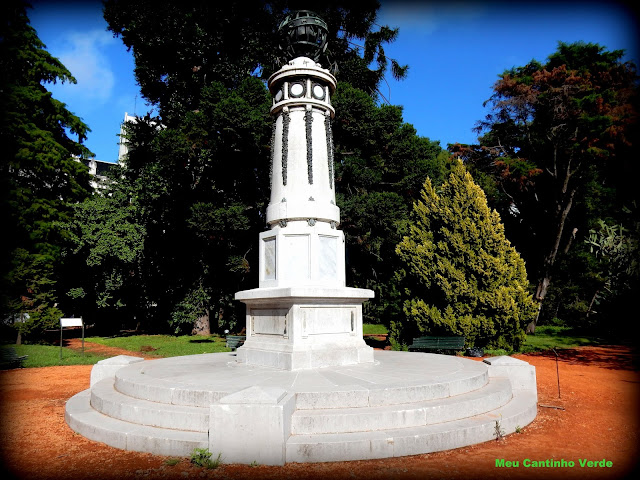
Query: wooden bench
[[9, 358], [235, 341], [437, 343]]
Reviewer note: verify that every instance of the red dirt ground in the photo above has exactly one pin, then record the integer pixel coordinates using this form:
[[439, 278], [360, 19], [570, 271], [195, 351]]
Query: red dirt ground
[[599, 394]]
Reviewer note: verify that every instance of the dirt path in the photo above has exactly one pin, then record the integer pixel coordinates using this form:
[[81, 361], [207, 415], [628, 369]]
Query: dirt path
[[599, 394], [98, 349]]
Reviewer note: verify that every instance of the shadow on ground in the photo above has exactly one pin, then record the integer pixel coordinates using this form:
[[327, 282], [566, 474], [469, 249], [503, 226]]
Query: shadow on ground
[[380, 342], [616, 357]]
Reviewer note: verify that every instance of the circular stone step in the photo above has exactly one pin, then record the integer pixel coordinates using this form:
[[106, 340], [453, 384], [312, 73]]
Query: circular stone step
[[398, 442], [404, 403], [87, 421], [395, 378], [495, 394], [108, 401]]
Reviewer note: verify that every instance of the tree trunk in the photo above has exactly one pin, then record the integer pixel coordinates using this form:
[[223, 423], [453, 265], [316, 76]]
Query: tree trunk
[[550, 260], [202, 325], [19, 338], [541, 292], [593, 300]]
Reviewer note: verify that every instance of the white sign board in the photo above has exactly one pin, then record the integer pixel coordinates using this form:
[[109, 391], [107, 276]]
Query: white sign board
[[71, 322]]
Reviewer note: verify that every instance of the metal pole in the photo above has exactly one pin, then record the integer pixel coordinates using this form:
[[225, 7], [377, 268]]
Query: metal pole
[[557, 371], [60, 341], [82, 336]]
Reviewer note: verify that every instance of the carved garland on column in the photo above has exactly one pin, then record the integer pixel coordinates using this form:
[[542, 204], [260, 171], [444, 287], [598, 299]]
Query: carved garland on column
[[308, 118], [285, 143], [329, 136], [273, 151]]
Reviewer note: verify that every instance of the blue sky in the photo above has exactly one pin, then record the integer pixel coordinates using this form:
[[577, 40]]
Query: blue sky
[[455, 51]]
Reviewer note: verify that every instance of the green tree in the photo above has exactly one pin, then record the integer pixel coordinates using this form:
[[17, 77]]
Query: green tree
[[198, 172], [381, 166], [228, 41], [463, 276], [40, 179], [107, 245], [558, 152], [616, 249]]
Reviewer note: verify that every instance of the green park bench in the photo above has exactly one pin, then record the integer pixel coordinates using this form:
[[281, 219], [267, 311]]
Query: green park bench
[[437, 343], [235, 341], [9, 358]]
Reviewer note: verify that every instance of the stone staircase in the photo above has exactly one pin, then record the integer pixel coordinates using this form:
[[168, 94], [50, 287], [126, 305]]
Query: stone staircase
[[150, 407]]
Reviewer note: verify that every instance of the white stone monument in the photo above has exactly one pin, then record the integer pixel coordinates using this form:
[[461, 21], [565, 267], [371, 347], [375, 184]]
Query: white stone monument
[[303, 315], [305, 386]]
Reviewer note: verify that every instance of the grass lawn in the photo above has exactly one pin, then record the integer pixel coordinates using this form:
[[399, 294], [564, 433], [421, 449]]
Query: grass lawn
[[548, 337], [374, 329], [166, 345], [49, 356], [545, 338]]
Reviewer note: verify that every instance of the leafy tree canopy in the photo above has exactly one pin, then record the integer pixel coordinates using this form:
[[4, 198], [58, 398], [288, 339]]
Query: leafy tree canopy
[[179, 47], [381, 166], [105, 235], [191, 198], [558, 152], [197, 175]]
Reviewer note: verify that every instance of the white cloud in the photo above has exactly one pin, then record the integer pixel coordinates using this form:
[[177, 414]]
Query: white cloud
[[410, 16], [85, 56], [427, 17]]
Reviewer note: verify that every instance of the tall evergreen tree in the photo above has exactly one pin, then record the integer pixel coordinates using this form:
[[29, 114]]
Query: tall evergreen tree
[[40, 179], [463, 276]]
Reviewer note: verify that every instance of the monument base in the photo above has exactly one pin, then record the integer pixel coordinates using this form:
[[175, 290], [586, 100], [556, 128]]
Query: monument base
[[296, 328], [404, 403]]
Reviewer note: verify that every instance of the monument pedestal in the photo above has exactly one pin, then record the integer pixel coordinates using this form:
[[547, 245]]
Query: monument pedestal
[[295, 328]]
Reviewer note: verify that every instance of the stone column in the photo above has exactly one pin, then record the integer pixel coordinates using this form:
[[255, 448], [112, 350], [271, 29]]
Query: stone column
[[303, 245]]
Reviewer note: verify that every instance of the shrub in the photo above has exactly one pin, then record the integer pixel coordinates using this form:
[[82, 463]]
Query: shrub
[[202, 458], [462, 275]]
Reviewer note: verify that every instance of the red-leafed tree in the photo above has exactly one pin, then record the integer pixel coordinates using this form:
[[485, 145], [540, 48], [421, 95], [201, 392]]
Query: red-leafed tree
[[557, 150]]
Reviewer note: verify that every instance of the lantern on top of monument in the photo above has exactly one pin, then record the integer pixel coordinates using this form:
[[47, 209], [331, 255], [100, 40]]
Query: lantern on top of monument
[[303, 34]]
